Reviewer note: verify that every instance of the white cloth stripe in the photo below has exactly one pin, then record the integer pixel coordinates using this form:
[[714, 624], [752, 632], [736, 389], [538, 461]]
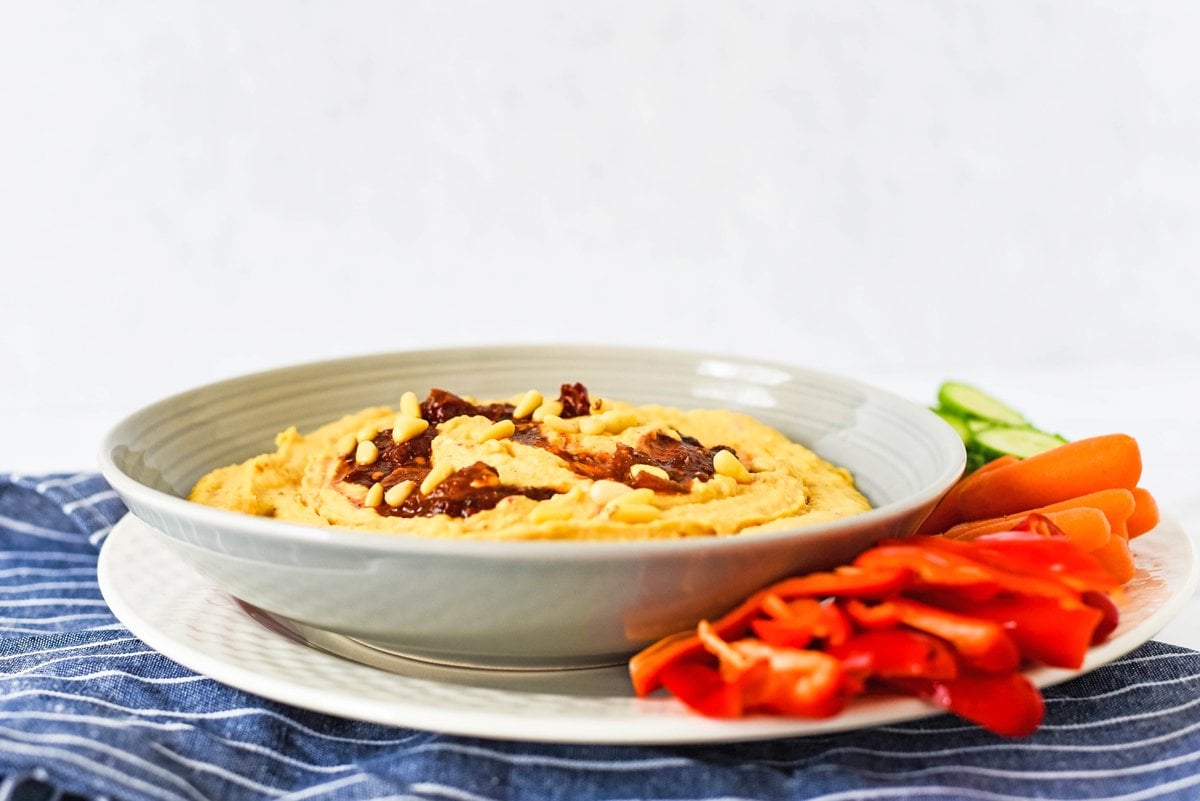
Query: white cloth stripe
[[558, 762], [42, 753], [40, 556], [71, 648], [51, 585], [329, 787], [1034, 775], [30, 602], [446, 791], [96, 720], [90, 500], [104, 674], [217, 715], [61, 482], [1128, 688], [78, 657], [982, 795], [22, 527], [54, 618], [989, 748], [201, 766], [114, 754]]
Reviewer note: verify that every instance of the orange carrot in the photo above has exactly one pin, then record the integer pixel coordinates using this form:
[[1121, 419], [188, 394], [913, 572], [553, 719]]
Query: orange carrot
[[945, 514], [1115, 504], [1086, 526], [1116, 558], [1145, 513], [1068, 471]]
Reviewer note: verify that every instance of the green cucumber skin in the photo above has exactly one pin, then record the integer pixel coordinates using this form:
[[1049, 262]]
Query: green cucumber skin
[[970, 403], [989, 428]]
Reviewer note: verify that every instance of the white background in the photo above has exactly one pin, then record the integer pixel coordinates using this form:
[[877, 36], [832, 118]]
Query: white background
[[1007, 193]]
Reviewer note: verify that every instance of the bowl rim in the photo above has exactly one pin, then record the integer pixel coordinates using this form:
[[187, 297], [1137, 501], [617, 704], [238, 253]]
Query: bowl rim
[[394, 543]]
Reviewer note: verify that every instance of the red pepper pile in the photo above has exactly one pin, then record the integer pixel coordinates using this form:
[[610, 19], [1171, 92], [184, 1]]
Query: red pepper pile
[[949, 621]]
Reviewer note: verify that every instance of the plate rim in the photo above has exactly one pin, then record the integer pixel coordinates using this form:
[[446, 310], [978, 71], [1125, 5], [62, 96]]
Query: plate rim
[[682, 727]]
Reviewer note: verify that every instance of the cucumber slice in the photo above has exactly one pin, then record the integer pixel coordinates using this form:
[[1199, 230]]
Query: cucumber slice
[[957, 423], [968, 402], [1008, 440]]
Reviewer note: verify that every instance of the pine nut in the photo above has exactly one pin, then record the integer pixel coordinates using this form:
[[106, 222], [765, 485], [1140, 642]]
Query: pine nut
[[634, 513], [641, 495], [366, 453], [501, 429], [397, 495], [617, 421], [592, 425], [549, 512], [548, 407], [605, 491], [557, 423], [346, 445], [374, 495], [672, 433], [436, 476], [406, 428], [528, 404], [727, 464], [369, 432], [649, 469], [409, 405]]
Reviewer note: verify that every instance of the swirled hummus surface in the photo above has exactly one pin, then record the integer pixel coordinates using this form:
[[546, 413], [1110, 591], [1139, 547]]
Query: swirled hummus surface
[[529, 467]]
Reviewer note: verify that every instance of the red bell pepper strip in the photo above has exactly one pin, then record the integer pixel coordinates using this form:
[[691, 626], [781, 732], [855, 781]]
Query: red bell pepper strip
[[646, 666], [981, 643], [797, 681], [891, 653], [796, 623], [1044, 630], [1033, 556], [1110, 616], [1007, 704], [702, 688]]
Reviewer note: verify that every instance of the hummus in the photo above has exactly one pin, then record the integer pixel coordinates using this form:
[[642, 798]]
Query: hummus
[[534, 468]]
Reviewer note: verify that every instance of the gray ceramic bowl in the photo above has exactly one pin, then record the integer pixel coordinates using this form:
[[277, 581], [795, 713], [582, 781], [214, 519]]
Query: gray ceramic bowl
[[528, 604]]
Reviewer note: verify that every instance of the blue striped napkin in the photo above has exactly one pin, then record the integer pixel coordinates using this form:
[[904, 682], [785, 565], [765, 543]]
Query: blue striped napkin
[[87, 710]]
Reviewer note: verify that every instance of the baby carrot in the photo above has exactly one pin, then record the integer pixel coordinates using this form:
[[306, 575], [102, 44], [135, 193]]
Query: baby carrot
[[1145, 513], [1086, 526], [945, 514], [1116, 505], [1068, 471], [1114, 555]]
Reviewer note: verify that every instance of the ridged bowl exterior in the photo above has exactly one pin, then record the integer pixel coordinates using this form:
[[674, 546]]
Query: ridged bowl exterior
[[525, 604]]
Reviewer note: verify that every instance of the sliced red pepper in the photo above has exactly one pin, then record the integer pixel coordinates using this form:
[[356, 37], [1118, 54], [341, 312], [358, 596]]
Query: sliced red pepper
[[1044, 630], [1009, 705], [646, 666], [896, 652], [1029, 554], [798, 682], [1110, 615], [939, 562], [873, 616], [981, 643], [702, 688], [796, 623]]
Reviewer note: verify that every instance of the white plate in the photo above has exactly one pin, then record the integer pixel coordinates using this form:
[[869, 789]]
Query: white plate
[[174, 610]]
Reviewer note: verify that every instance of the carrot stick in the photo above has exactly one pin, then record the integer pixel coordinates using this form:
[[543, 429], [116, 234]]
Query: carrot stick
[[1086, 526], [1115, 504], [1116, 558], [945, 514], [1145, 513], [1068, 471]]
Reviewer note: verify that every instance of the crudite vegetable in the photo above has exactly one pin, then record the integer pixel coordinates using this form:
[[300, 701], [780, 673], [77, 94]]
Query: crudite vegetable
[[1020, 563]]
